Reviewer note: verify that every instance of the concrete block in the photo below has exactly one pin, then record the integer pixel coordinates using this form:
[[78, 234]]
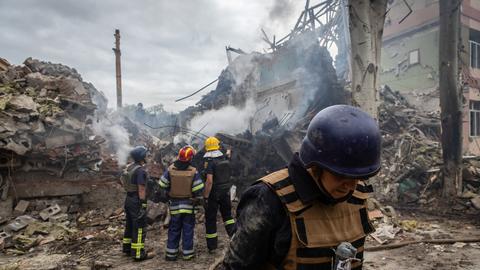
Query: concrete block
[[21, 208], [46, 213], [5, 240], [58, 218], [476, 202], [20, 223]]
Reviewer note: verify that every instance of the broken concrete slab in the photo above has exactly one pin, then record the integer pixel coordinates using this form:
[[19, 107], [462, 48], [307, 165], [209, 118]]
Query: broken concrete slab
[[22, 103], [476, 202], [21, 207], [5, 240], [53, 142], [20, 223], [50, 211], [58, 218]]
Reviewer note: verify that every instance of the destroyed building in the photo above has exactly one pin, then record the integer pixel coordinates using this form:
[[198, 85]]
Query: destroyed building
[[45, 129], [275, 95], [410, 60]]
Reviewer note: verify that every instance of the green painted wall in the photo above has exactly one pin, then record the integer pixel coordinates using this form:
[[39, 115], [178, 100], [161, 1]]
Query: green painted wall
[[395, 69]]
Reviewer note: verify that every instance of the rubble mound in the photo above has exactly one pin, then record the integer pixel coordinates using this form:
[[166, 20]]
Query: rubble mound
[[45, 117], [412, 155]]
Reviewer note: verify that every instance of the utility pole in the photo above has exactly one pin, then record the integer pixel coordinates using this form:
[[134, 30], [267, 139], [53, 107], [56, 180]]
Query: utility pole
[[450, 97], [366, 30], [118, 68]]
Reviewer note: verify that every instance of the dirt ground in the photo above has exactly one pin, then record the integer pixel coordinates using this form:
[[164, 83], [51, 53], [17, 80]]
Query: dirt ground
[[432, 256], [103, 251]]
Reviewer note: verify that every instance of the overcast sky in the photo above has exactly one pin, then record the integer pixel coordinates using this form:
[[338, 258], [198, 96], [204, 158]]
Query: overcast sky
[[169, 48]]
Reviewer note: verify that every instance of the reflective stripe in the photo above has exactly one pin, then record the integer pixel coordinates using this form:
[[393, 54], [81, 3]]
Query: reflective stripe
[[127, 240], [211, 235], [181, 206], [172, 251], [230, 221], [195, 188], [139, 244], [188, 252], [164, 182], [197, 182], [188, 257], [181, 211]]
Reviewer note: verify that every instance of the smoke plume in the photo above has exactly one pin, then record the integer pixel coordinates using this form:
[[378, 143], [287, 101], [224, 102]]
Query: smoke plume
[[117, 137], [229, 119]]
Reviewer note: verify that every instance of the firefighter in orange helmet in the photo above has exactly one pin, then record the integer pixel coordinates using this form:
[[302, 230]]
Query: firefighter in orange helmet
[[184, 185]]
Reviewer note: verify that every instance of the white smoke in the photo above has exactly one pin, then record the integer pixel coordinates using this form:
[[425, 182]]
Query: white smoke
[[117, 137], [229, 119]]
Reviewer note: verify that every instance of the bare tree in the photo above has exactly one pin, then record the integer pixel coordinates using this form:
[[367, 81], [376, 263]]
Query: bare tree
[[450, 97], [366, 31]]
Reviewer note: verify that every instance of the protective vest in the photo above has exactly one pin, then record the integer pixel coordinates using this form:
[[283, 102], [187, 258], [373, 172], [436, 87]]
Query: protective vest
[[127, 177], [221, 174], [181, 182], [317, 228]]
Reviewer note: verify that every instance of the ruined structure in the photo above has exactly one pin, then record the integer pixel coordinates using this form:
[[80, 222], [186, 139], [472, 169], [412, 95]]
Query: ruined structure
[[410, 60]]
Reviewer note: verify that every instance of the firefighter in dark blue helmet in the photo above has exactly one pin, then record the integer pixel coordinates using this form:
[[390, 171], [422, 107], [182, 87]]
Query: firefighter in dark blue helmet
[[134, 179], [294, 218]]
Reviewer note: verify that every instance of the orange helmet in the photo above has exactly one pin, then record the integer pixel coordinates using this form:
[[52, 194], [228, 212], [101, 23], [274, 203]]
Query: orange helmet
[[186, 153]]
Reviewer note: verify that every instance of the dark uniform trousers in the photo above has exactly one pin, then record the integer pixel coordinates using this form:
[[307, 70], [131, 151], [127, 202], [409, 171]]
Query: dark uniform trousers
[[135, 228], [218, 200]]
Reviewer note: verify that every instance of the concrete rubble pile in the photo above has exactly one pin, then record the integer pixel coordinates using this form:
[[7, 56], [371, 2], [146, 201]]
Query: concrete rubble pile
[[46, 112], [411, 157], [59, 224]]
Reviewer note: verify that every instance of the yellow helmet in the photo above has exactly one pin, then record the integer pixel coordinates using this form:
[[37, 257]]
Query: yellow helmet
[[212, 143]]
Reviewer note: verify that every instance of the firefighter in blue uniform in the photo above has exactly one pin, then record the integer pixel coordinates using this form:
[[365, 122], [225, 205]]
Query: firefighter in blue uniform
[[294, 218], [217, 192], [134, 179], [185, 188]]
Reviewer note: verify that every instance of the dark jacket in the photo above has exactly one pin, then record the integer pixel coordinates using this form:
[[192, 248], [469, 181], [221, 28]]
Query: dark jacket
[[263, 227]]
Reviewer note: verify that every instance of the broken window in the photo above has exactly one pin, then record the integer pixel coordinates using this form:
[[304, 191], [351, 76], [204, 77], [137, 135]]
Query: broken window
[[413, 57], [474, 48], [474, 118], [474, 54]]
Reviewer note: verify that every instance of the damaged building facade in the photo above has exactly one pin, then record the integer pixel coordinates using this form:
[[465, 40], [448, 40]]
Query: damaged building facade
[[410, 60]]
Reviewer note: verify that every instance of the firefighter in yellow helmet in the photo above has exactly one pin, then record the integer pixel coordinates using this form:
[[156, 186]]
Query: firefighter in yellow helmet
[[217, 192]]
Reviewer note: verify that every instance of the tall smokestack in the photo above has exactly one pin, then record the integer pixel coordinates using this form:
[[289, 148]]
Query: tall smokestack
[[118, 68]]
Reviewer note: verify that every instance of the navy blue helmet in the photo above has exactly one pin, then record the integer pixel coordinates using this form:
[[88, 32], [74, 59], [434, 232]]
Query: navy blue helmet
[[343, 140], [139, 153]]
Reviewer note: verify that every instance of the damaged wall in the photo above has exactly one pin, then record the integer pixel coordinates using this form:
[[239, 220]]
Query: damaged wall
[[410, 66], [410, 59], [284, 85]]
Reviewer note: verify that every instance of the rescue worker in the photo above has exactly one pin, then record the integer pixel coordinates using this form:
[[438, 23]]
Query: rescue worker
[[185, 189], [294, 218], [134, 179], [217, 192]]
